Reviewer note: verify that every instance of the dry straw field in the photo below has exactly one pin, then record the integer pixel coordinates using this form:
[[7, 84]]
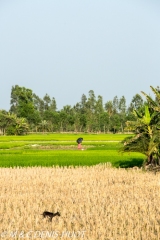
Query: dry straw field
[[95, 203]]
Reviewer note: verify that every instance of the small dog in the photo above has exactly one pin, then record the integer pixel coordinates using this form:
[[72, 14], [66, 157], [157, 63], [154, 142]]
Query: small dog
[[50, 215]]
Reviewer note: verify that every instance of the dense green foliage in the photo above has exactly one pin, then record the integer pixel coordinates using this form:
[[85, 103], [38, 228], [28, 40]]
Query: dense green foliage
[[30, 113]]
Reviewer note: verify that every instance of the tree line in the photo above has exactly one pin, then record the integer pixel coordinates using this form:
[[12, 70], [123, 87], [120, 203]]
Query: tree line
[[30, 113]]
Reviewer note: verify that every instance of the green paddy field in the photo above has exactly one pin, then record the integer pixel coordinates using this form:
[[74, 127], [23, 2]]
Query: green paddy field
[[61, 150]]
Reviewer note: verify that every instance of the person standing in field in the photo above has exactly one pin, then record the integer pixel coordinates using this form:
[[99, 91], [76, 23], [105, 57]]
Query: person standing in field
[[79, 141]]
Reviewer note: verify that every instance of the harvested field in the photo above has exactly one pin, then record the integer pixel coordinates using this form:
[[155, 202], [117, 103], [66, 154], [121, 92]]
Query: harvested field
[[95, 203]]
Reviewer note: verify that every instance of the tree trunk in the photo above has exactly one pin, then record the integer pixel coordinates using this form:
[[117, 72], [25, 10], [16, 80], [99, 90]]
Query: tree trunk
[[122, 127], [150, 159]]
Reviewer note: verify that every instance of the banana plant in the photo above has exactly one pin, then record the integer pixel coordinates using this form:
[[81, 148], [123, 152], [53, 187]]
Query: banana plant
[[147, 130], [21, 126]]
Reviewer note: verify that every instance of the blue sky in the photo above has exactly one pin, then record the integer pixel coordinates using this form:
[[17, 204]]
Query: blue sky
[[66, 48]]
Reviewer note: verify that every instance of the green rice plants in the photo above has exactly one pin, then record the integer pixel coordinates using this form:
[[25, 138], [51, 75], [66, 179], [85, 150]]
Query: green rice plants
[[32, 150], [46, 158], [65, 137]]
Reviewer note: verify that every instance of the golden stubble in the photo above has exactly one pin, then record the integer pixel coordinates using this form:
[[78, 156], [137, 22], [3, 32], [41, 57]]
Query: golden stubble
[[106, 203]]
